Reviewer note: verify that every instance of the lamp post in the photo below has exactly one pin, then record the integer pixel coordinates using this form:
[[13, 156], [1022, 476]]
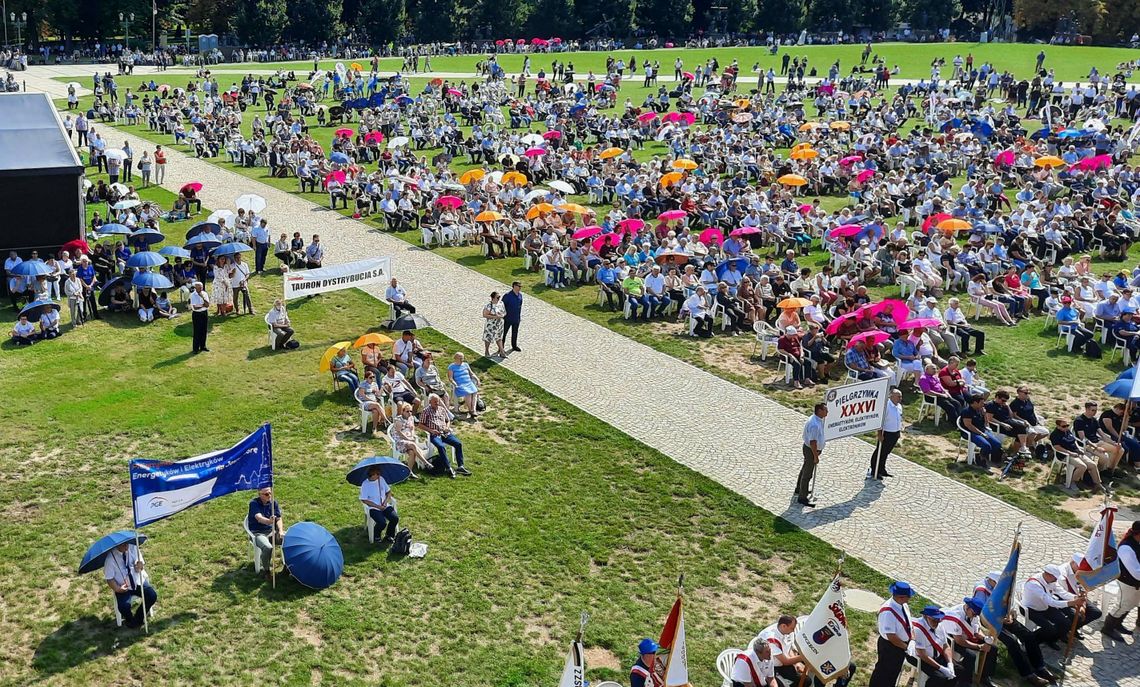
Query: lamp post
[[20, 23], [125, 21]]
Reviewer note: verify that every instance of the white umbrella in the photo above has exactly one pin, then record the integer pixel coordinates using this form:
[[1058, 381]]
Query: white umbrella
[[87, 184], [227, 215], [398, 142], [452, 186], [341, 68], [532, 139], [120, 189], [250, 202], [558, 185], [1095, 125], [496, 176], [537, 193], [126, 204], [665, 131], [114, 154]]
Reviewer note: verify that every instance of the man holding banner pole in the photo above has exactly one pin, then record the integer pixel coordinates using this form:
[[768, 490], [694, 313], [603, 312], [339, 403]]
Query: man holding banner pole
[[812, 449], [265, 524]]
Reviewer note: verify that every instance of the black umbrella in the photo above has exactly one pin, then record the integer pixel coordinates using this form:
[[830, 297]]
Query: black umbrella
[[408, 322], [105, 293]]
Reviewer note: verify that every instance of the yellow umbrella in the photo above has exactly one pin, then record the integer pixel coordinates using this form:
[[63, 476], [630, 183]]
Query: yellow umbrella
[[538, 209], [574, 208], [671, 178], [801, 146], [371, 338], [472, 175], [1049, 161], [684, 163], [357, 66], [841, 125], [804, 154], [744, 103], [949, 225], [610, 152], [326, 359], [808, 126], [515, 178], [488, 216], [792, 303], [792, 180]]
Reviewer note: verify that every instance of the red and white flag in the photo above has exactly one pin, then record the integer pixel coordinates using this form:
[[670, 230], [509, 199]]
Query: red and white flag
[[673, 642], [822, 637], [1100, 565]]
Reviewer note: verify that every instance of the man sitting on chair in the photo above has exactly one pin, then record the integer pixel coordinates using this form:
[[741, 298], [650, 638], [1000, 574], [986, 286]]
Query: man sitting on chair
[[379, 505], [396, 295], [753, 667], [123, 570], [264, 522], [278, 320]]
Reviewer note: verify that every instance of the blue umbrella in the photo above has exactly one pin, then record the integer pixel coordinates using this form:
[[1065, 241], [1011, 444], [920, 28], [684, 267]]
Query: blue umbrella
[[1129, 374], [312, 555], [231, 248], [1041, 133], [146, 258], [741, 263], [174, 252], [392, 470], [152, 280], [1121, 388], [31, 268], [147, 236], [339, 158], [114, 228], [207, 241], [97, 552], [1071, 133], [203, 228], [36, 308], [404, 100]]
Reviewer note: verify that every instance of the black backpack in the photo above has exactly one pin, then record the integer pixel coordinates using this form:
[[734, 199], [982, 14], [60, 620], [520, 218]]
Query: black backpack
[[1093, 351], [402, 545]]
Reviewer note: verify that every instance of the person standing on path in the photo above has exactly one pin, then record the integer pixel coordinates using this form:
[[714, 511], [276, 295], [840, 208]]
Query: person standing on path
[[895, 633], [159, 165], [200, 313], [1129, 581], [261, 239], [513, 301], [889, 435], [128, 161], [813, 448]]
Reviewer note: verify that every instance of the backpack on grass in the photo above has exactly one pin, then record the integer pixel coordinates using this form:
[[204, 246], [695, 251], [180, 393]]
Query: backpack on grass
[[402, 545]]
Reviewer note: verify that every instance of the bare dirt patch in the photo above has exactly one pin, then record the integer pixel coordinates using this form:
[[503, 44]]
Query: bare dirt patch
[[305, 629], [599, 657]]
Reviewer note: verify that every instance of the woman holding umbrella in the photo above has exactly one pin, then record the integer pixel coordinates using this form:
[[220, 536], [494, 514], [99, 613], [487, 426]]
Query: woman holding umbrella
[[221, 289]]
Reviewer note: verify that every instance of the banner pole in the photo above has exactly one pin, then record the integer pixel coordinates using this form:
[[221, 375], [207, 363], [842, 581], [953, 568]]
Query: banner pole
[[142, 586], [680, 617], [803, 678]]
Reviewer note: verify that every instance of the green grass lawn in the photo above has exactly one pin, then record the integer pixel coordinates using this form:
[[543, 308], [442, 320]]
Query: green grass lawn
[[544, 530], [913, 59]]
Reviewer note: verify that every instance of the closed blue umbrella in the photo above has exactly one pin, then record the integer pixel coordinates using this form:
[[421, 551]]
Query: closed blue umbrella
[[146, 258], [741, 264], [231, 248], [36, 308], [339, 158], [31, 268], [203, 228], [174, 252], [148, 236], [312, 555], [97, 552], [112, 228], [207, 241], [152, 280], [392, 470]]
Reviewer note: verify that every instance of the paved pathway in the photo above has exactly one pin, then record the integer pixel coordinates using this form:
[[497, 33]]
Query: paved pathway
[[939, 534]]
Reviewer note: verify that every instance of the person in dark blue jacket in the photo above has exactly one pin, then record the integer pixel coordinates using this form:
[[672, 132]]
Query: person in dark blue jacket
[[513, 301]]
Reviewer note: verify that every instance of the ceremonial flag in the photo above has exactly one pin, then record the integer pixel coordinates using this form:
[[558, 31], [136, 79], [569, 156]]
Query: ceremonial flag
[[161, 488], [673, 642], [996, 608], [822, 638], [574, 673], [1100, 565]]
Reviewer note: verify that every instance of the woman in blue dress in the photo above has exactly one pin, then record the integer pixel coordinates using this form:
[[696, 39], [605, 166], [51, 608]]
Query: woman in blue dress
[[466, 384]]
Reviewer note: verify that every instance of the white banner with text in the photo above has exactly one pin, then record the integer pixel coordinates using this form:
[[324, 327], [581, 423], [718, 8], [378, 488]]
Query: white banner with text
[[336, 277], [856, 408]]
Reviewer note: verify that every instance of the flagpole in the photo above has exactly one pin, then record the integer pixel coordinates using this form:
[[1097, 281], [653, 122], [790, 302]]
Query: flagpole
[[275, 525], [669, 660], [142, 585]]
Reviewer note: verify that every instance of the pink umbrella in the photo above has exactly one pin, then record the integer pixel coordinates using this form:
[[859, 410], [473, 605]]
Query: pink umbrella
[[892, 306], [933, 220], [670, 215], [343, 132], [539, 41], [845, 230], [337, 176], [863, 176], [1094, 162], [835, 325], [688, 76], [194, 186], [449, 201], [552, 134], [499, 42], [850, 160], [534, 152], [920, 323], [521, 41], [745, 231], [712, 235], [804, 209], [646, 117], [670, 117], [454, 92], [586, 232], [873, 338], [632, 225], [688, 118], [374, 136], [1005, 157], [610, 239]]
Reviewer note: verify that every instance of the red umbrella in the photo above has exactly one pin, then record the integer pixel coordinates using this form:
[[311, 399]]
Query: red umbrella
[[688, 76], [873, 338], [556, 39], [610, 239], [712, 234], [347, 133], [499, 42], [586, 232], [745, 231], [845, 230], [632, 225], [373, 136], [520, 41], [552, 134], [670, 215], [835, 325], [892, 306], [646, 117], [449, 201], [194, 186], [454, 92], [76, 247], [933, 220], [337, 175]]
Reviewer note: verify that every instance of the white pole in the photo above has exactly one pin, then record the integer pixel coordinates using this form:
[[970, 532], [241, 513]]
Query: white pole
[[142, 585]]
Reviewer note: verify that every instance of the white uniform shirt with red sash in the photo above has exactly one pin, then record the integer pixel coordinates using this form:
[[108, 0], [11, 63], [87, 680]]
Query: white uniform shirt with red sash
[[782, 644], [1069, 582], [956, 623], [751, 669], [639, 674], [894, 620], [1039, 595], [931, 640]]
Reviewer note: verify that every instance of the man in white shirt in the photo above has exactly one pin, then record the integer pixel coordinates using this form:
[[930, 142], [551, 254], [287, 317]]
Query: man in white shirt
[[889, 435], [396, 295], [125, 574], [239, 277], [813, 443], [1128, 552], [753, 666], [656, 295], [956, 317], [937, 334], [199, 315], [697, 307], [895, 633], [786, 662], [1048, 604], [261, 238], [278, 320], [962, 628], [931, 648], [379, 505]]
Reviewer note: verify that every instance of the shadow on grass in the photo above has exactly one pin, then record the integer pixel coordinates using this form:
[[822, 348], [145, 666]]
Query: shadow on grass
[[169, 362], [354, 544], [92, 637], [318, 397], [243, 581]]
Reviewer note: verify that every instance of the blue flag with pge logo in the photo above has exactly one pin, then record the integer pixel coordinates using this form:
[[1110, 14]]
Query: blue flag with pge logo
[[161, 488]]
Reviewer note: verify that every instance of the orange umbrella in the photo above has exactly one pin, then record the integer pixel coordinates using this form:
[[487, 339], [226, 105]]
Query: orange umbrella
[[792, 180], [538, 209], [793, 303], [671, 178], [472, 175], [356, 66], [515, 178], [801, 146], [743, 103], [841, 125], [1049, 161], [371, 338], [574, 208], [804, 154], [949, 225], [683, 163], [610, 152], [488, 216], [808, 126]]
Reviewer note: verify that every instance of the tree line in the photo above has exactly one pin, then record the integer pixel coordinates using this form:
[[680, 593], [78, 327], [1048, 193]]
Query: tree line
[[378, 22]]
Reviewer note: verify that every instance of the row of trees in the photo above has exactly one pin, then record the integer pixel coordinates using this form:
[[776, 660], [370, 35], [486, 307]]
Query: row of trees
[[264, 22]]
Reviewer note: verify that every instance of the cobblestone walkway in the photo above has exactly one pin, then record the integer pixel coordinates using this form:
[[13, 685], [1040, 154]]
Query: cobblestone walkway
[[937, 533]]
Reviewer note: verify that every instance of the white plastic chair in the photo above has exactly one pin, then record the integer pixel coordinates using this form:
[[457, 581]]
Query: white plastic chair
[[272, 334], [1062, 460], [786, 364], [766, 335], [971, 449], [1065, 332], [930, 405], [724, 663], [252, 546], [370, 527], [366, 420], [115, 604]]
